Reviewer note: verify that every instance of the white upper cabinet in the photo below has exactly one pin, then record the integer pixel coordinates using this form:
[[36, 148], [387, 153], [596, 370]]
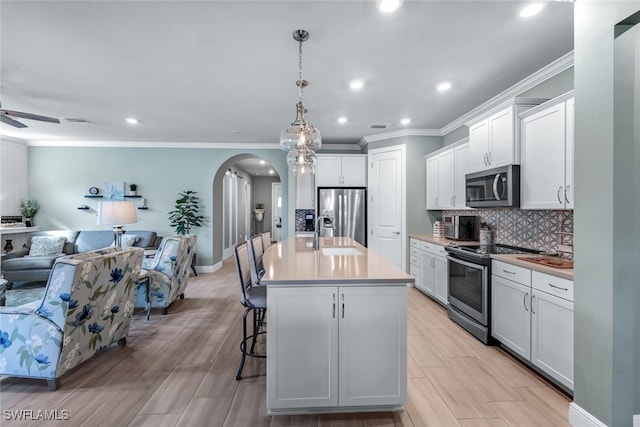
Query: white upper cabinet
[[445, 178], [494, 140], [342, 171], [546, 173], [305, 192], [432, 182]]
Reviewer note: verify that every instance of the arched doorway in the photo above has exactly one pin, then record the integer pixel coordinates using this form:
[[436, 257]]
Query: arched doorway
[[242, 184]]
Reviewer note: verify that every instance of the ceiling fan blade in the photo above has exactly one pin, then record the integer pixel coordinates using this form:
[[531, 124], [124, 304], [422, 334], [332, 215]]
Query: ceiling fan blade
[[11, 122], [30, 116]]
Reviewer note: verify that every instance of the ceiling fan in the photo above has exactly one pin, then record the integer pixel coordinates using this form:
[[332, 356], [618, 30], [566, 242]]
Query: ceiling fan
[[6, 117]]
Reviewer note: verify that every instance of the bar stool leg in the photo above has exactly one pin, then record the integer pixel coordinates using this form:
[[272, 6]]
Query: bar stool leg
[[243, 344]]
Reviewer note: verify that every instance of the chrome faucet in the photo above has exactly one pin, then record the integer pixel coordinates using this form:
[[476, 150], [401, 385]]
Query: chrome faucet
[[316, 234]]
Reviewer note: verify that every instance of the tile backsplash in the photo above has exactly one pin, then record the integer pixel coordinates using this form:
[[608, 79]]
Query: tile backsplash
[[535, 229], [300, 218]]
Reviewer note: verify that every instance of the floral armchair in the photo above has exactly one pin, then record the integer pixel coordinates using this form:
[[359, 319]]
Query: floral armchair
[[87, 306], [168, 272]]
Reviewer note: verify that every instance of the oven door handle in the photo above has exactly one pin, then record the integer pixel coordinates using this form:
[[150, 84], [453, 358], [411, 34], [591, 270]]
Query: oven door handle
[[465, 263]]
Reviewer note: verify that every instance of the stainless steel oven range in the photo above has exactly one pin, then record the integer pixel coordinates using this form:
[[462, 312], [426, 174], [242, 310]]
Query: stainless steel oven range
[[469, 279]]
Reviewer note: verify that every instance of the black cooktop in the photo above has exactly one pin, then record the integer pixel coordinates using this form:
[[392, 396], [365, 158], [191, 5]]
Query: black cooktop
[[485, 250]]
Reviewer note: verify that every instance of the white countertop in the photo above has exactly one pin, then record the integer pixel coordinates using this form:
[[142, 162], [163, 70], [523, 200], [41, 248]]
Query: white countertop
[[294, 262]]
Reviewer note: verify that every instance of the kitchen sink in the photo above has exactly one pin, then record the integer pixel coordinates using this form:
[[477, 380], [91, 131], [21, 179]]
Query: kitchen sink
[[549, 262], [344, 250]]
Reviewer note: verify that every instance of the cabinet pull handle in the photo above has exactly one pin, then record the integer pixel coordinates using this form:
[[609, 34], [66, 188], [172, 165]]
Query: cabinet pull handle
[[436, 200], [566, 198], [454, 200], [524, 301], [558, 287], [508, 272], [533, 298], [489, 158], [343, 306], [558, 194], [484, 159], [334, 306]]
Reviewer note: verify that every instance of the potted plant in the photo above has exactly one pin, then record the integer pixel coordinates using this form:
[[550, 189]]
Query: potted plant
[[185, 215], [132, 189], [29, 208], [259, 211]]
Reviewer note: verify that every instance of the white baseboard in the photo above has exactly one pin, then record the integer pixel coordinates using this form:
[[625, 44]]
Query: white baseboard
[[578, 417], [636, 420], [209, 268]]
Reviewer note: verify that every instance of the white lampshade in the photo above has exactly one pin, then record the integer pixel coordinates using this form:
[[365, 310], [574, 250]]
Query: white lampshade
[[117, 213]]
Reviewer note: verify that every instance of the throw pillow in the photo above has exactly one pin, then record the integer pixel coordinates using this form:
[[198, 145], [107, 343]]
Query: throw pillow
[[46, 245], [129, 240]]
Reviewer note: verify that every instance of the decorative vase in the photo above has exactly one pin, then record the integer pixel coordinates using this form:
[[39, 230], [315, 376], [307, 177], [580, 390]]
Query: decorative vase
[[27, 222], [8, 247], [259, 214], [132, 192]]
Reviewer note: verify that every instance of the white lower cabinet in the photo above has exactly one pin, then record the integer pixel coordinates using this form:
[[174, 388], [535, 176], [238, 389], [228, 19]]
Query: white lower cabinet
[[429, 265], [336, 346], [532, 315]]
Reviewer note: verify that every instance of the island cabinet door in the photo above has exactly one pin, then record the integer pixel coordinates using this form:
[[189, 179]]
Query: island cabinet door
[[302, 347], [373, 345]]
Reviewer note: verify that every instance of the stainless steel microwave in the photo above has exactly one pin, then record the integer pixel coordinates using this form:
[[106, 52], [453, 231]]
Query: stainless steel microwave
[[499, 187]]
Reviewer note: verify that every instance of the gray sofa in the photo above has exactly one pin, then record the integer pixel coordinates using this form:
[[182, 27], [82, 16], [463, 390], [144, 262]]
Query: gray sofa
[[18, 266]]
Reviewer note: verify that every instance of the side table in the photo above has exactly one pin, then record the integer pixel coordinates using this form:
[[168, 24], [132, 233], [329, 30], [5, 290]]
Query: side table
[[145, 279]]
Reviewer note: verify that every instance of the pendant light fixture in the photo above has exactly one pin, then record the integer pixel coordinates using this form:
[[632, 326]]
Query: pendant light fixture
[[301, 139]]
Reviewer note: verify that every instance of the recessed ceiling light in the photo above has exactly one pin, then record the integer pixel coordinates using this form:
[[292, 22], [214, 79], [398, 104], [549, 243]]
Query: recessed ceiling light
[[405, 121], [263, 162], [531, 10], [356, 84], [235, 130], [132, 121], [443, 86], [387, 6], [342, 120], [271, 171]]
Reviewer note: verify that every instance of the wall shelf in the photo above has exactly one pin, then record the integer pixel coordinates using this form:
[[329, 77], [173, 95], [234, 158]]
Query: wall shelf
[[133, 197], [83, 208], [143, 208], [93, 196]]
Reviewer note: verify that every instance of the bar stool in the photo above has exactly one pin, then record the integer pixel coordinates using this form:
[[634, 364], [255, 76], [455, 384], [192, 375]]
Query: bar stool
[[256, 252], [254, 298], [266, 240]]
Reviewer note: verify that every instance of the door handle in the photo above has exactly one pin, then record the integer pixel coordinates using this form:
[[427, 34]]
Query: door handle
[[524, 301], [489, 158], [495, 187], [558, 194], [484, 159], [533, 298], [436, 201], [395, 232], [566, 198], [343, 306], [334, 305]]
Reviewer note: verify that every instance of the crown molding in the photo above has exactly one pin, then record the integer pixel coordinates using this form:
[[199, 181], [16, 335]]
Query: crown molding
[[397, 134], [12, 139], [339, 147], [147, 144], [556, 67]]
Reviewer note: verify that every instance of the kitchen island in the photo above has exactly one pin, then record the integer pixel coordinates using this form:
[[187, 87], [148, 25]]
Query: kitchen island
[[336, 328]]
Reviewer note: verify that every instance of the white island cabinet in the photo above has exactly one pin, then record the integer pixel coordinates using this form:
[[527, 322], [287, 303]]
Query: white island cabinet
[[336, 330]]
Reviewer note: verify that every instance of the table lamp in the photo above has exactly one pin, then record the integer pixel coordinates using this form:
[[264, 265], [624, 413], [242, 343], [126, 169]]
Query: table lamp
[[117, 214]]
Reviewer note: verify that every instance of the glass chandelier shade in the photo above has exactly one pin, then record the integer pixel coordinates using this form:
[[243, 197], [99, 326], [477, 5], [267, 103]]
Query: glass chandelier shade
[[301, 139], [300, 133], [302, 160]]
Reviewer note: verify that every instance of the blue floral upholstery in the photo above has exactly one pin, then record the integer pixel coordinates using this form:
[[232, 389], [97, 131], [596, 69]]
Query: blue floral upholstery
[[87, 306], [168, 272]]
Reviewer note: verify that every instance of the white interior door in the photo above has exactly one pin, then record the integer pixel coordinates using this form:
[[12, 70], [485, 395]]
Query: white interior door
[[276, 208], [230, 214], [387, 203]]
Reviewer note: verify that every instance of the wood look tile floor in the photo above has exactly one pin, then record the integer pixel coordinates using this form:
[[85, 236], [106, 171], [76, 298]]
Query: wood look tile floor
[[179, 370]]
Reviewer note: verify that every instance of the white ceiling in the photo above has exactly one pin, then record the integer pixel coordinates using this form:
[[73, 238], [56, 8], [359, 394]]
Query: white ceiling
[[199, 71]]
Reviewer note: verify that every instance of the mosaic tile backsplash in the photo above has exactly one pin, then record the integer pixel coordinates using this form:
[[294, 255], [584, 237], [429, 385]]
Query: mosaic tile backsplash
[[534, 229], [300, 213]]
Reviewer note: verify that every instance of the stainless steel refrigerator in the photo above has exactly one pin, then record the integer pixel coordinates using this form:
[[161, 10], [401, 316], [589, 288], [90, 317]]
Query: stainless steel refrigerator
[[346, 212]]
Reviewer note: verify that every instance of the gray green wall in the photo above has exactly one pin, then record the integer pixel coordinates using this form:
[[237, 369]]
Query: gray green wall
[[418, 221], [60, 176], [606, 289]]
